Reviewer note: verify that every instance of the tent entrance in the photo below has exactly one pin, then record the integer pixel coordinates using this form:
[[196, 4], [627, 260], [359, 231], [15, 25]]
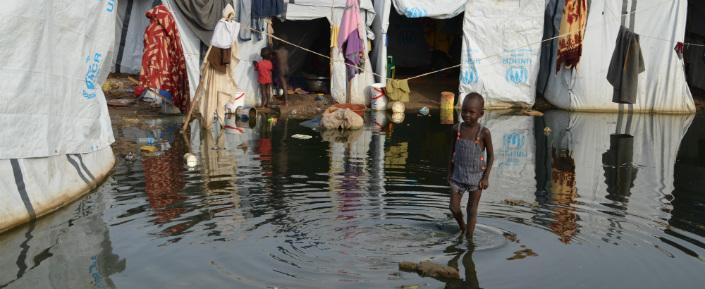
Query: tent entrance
[[693, 55], [306, 70], [418, 45]]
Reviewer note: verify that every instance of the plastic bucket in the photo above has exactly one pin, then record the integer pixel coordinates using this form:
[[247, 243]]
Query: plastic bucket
[[447, 100], [378, 99]]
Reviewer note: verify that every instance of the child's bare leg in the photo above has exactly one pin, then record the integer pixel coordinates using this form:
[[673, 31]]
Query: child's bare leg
[[473, 202], [262, 93], [455, 198], [284, 86], [269, 93]]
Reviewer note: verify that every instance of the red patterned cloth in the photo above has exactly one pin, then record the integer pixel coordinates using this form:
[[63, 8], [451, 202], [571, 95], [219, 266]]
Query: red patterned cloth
[[163, 62]]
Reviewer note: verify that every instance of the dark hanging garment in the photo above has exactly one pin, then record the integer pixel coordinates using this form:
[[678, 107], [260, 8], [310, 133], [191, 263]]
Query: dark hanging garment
[[202, 15], [267, 8], [626, 64]]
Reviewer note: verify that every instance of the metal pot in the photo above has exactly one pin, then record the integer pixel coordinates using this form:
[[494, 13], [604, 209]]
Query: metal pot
[[318, 83]]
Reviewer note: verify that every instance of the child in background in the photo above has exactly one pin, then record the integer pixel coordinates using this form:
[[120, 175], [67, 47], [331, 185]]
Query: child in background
[[468, 170], [264, 74]]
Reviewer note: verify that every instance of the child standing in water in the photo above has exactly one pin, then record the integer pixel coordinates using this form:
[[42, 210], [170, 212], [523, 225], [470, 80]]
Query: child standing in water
[[468, 170], [264, 74]]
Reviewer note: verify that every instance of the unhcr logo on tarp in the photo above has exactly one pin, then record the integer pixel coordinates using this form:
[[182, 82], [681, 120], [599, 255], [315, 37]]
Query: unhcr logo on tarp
[[517, 62], [415, 12], [517, 74], [93, 65], [469, 76], [110, 5]]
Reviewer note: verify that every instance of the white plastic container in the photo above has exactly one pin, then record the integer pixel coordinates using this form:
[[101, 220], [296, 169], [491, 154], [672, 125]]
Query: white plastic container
[[397, 107], [237, 100], [378, 100]]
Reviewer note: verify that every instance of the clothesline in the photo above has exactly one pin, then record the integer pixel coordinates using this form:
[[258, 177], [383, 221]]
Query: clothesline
[[543, 41]]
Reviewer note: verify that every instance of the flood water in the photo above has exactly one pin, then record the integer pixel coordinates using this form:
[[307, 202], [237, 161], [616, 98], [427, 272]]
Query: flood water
[[599, 201]]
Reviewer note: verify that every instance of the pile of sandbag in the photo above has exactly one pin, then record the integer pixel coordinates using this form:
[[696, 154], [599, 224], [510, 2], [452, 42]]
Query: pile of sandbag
[[341, 118]]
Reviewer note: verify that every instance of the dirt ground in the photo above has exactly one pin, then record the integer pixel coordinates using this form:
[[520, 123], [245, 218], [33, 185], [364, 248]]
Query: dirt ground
[[425, 92]]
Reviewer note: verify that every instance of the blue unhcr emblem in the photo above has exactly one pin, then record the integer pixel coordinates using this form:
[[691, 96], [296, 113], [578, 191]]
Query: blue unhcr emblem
[[514, 140], [415, 13], [469, 76], [517, 74], [91, 75], [110, 7]]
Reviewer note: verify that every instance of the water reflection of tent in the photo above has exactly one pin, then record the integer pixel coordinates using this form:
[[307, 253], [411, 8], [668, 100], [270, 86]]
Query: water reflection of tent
[[348, 173], [514, 146], [59, 254], [655, 144]]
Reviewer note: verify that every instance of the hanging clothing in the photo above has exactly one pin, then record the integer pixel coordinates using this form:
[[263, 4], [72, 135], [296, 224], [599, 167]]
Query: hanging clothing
[[267, 8], [398, 90], [202, 15], [626, 64], [163, 62], [217, 86], [244, 16], [350, 40], [353, 55], [572, 30]]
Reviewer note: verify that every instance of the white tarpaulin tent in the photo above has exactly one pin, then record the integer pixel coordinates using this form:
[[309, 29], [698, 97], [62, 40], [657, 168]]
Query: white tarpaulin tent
[[129, 48], [333, 11], [132, 34], [501, 44], [56, 136], [130, 25], [661, 87], [53, 58], [244, 74], [501, 48], [443, 9]]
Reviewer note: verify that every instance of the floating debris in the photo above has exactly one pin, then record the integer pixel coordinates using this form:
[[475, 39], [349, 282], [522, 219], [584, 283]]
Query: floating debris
[[430, 269], [301, 136], [191, 160]]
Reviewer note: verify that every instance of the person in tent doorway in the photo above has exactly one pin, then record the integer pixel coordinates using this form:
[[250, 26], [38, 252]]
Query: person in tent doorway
[[264, 75], [468, 171], [281, 69]]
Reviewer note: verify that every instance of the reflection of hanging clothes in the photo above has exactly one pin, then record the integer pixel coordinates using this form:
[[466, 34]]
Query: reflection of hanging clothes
[[626, 64], [572, 30], [620, 173]]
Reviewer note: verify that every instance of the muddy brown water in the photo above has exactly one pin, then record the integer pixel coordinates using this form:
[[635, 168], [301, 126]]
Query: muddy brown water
[[599, 201]]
